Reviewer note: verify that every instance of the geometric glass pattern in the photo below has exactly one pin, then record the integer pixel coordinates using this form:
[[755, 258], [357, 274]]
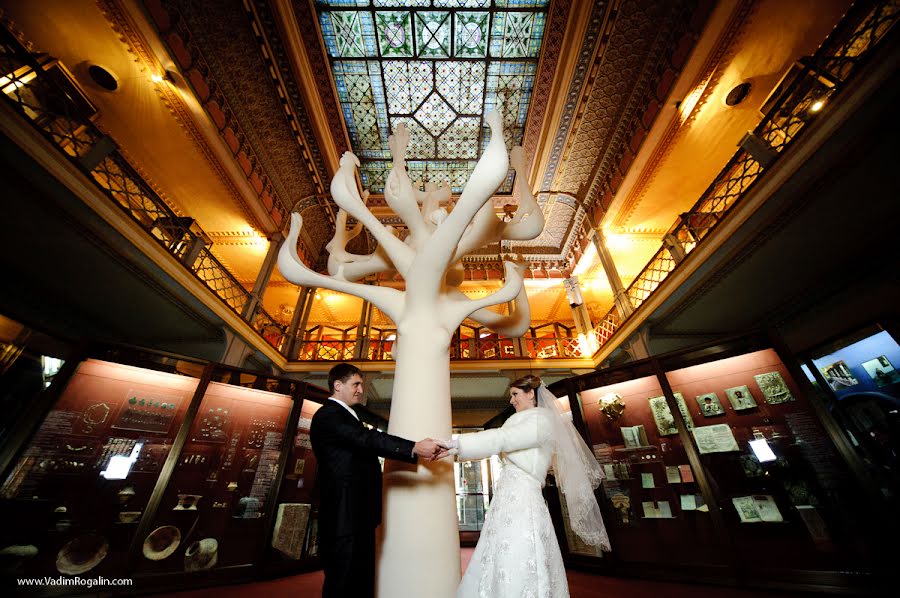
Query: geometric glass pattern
[[436, 66]]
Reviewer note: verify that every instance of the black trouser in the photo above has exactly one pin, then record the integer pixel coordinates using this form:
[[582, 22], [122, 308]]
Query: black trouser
[[350, 566]]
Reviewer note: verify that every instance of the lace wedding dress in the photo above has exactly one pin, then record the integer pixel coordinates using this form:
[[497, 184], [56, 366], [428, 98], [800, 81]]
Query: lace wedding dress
[[517, 555]]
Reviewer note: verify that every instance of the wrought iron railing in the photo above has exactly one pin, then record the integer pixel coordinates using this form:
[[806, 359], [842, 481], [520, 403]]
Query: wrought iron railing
[[42, 91], [275, 333], [801, 97]]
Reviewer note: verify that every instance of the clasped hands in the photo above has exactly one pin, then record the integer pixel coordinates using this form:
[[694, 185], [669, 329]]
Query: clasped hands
[[431, 450]]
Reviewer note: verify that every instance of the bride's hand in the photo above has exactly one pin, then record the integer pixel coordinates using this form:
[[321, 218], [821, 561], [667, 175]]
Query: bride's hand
[[448, 447]]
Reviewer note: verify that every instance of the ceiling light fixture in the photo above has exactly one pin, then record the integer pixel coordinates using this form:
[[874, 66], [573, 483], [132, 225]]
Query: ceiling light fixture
[[817, 105], [737, 94]]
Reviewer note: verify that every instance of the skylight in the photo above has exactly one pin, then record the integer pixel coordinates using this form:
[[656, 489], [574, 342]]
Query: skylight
[[438, 66]]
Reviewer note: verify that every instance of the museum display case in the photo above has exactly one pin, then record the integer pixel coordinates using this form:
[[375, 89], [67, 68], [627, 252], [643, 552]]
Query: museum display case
[[74, 497], [170, 471], [856, 378], [294, 545], [720, 466]]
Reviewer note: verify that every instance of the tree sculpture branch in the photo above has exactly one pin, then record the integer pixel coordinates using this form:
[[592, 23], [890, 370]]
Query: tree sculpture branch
[[437, 254], [353, 266], [454, 309], [388, 300], [399, 192], [513, 325], [346, 195]]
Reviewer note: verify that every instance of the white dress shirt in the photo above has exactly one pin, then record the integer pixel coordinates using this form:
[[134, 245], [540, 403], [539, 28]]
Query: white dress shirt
[[345, 406]]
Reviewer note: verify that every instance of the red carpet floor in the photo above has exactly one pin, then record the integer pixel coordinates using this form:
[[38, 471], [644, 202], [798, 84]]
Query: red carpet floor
[[581, 585]]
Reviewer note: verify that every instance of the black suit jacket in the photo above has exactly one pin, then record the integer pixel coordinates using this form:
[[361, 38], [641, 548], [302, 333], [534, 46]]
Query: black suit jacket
[[349, 473]]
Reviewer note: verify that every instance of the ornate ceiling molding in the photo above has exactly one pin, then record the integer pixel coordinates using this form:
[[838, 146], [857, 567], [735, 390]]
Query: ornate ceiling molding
[[137, 45], [596, 26], [274, 53], [646, 51], [541, 97], [321, 70], [220, 56], [706, 80]]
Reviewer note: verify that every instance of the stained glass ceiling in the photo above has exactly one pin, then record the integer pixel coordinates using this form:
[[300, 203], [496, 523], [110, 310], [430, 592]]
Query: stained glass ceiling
[[438, 66]]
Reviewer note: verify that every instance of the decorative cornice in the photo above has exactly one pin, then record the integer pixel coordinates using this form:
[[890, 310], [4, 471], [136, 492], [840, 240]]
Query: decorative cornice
[[541, 91], [207, 49], [321, 70], [135, 43], [600, 15], [627, 125], [273, 53], [707, 79]]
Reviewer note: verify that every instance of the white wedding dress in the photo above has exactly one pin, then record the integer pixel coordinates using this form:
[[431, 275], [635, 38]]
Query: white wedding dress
[[517, 555]]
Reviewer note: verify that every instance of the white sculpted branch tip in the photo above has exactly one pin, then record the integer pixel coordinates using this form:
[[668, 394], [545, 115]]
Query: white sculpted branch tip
[[487, 228], [388, 300], [513, 325], [458, 307], [489, 172], [399, 193], [528, 221], [346, 196]]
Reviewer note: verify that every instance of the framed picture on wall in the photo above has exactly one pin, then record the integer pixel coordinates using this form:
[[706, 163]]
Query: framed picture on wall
[[773, 388], [665, 421], [740, 398], [662, 415], [710, 405], [881, 371], [838, 375]]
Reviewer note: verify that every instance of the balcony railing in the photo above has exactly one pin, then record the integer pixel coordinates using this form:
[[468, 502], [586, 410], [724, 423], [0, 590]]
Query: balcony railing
[[43, 92], [800, 98]]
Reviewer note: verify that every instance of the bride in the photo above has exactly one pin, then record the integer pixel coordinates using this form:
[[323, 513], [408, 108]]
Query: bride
[[517, 554]]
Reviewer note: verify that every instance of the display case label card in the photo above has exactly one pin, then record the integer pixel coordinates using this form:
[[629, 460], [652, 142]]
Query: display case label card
[[717, 438], [673, 475]]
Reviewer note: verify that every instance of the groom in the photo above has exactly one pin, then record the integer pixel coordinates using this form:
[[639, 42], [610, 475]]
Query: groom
[[350, 484]]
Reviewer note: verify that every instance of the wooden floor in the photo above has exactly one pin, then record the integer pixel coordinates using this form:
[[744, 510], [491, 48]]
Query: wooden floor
[[581, 585]]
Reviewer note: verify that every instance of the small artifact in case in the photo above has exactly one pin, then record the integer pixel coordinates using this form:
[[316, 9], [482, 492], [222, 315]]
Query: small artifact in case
[[162, 542], [82, 554]]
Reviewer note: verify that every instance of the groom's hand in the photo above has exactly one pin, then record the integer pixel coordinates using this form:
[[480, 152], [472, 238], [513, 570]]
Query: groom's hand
[[427, 449]]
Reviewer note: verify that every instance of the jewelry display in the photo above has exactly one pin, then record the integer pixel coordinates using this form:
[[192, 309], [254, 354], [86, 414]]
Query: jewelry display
[[258, 430], [146, 415], [212, 425], [193, 459], [94, 415], [152, 457]]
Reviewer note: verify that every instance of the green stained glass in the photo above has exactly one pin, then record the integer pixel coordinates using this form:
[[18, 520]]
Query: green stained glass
[[462, 83], [513, 34], [394, 34], [396, 3], [460, 140], [438, 71], [433, 34], [408, 84], [471, 34], [348, 34], [462, 3]]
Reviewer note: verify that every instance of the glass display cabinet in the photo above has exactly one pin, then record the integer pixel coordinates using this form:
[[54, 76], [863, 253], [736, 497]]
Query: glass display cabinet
[[169, 471], [721, 464], [74, 497]]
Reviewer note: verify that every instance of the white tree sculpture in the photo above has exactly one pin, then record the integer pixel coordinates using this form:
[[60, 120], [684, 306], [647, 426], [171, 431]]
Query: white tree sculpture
[[419, 553]]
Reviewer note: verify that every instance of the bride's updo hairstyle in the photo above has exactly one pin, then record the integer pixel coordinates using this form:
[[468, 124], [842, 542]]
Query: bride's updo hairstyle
[[526, 383]]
